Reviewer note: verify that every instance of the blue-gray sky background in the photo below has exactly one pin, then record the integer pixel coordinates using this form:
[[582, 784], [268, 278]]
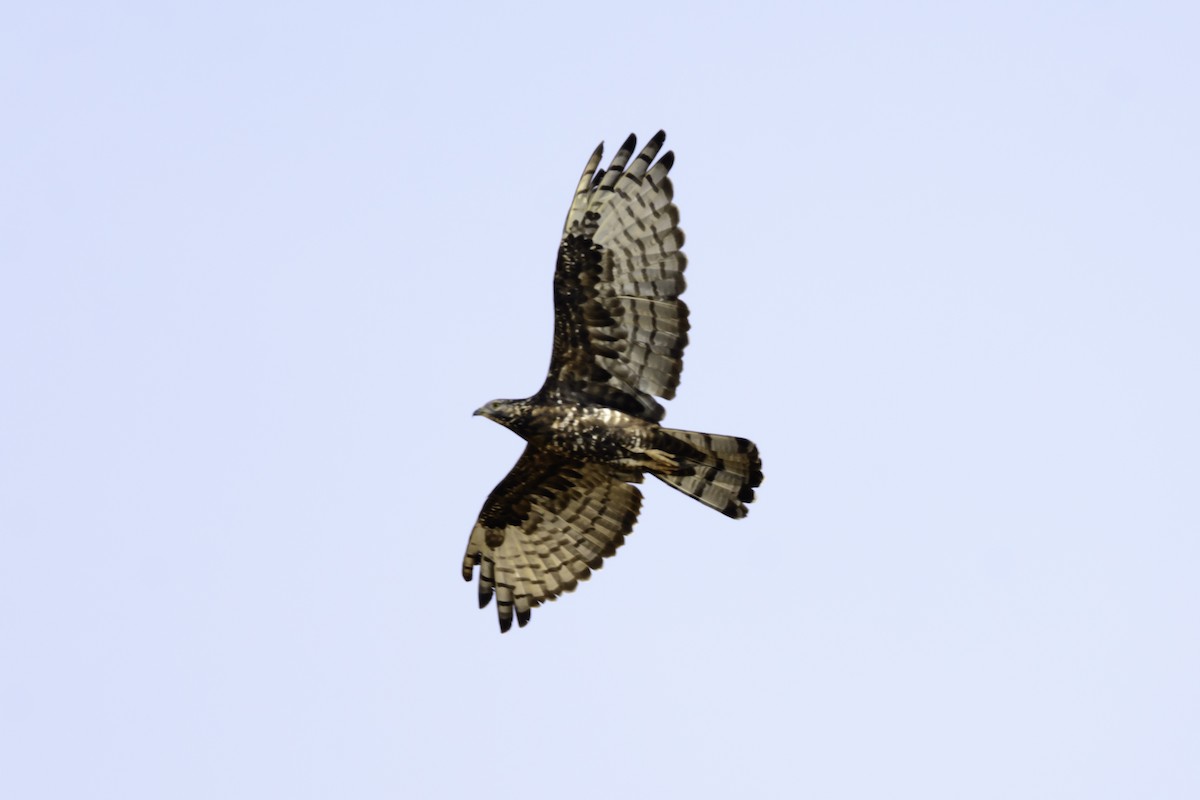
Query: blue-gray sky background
[[259, 262]]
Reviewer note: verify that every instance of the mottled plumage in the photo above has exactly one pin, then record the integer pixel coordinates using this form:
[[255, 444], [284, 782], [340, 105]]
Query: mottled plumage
[[592, 429]]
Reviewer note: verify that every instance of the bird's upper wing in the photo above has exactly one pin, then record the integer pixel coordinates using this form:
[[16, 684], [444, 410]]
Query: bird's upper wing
[[544, 528], [619, 325]]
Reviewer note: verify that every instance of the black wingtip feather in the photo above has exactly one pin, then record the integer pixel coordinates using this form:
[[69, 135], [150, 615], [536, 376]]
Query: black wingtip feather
[[667, 161]]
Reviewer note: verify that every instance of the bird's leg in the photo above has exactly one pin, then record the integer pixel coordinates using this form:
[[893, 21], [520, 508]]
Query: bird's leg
[[662, 461]]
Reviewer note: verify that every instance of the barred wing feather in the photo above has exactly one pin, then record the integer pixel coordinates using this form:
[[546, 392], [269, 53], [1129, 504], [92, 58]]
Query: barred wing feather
[[544, 528], [619, 326]]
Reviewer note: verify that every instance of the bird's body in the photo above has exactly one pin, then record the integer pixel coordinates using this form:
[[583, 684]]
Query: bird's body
[[593, 428], [582, 432]]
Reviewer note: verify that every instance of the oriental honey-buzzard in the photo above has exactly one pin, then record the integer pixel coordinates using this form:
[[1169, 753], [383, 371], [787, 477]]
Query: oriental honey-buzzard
[[593, 430]]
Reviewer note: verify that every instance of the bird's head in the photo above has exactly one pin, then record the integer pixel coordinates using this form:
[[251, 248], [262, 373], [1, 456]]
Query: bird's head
[[502, 411]]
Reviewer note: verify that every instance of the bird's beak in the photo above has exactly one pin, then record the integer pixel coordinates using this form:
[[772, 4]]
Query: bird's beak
[[478, 412]]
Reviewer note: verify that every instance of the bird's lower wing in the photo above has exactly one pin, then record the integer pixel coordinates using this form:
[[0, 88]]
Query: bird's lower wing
[[544, 528]]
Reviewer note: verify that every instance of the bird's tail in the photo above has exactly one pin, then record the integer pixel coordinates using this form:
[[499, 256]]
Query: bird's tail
[[719, 471]]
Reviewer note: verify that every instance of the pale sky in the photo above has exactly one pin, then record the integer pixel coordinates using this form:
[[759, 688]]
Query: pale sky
[[260, 262]]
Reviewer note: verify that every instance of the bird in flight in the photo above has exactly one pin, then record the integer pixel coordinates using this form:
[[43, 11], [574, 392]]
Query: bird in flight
[[592, 430]]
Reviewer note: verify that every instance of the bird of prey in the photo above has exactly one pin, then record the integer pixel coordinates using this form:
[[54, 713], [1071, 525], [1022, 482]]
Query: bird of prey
[[593, 430]]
